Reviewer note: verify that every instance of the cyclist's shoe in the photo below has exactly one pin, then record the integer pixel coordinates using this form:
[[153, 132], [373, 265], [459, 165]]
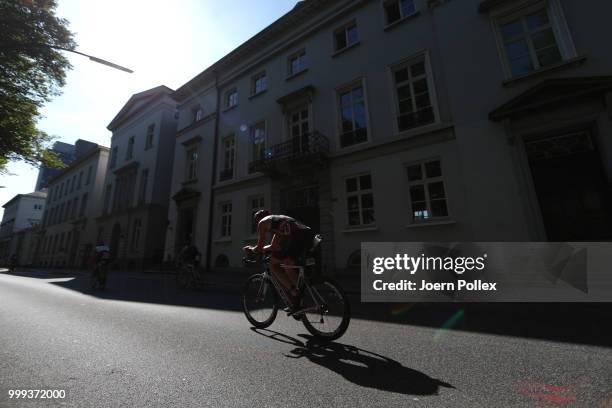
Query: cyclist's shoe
[[296, 305]]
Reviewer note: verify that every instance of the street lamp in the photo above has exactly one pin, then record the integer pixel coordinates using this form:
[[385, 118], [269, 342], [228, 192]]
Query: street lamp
[[94, 59]]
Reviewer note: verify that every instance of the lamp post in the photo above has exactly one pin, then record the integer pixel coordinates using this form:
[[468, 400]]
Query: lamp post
[[94, 59]]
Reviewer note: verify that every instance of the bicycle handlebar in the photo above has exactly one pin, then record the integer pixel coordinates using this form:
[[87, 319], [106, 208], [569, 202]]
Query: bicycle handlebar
[[259, 258]]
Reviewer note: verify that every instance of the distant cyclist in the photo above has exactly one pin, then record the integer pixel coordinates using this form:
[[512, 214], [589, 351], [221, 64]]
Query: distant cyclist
[[189, 254], [12, 262], [101, 259], [291, 239]]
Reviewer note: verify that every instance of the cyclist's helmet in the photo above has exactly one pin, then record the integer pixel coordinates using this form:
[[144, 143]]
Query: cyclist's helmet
[[260, 214]]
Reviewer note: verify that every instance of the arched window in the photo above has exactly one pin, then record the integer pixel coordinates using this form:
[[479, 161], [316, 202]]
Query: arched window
[[354, 260]]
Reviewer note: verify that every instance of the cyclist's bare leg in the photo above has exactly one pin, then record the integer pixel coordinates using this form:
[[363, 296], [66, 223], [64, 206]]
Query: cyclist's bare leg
[[281, 274], [292, 273]]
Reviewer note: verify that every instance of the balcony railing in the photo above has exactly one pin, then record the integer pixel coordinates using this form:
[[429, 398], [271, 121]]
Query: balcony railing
[[307, 146]]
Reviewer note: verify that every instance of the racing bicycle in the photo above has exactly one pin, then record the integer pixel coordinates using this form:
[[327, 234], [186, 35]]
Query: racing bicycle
[[321, 305]]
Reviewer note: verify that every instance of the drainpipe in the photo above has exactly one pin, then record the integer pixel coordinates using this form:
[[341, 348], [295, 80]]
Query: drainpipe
[[212, 177]]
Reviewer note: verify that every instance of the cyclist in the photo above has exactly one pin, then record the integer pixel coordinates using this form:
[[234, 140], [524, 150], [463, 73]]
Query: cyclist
[[189, 254], [290, 240], [12, 262], [101, 258]]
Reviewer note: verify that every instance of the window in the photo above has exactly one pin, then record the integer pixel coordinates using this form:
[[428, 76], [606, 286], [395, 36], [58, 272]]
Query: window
[[136, 228], [229, 151], [396, 10], [73, 183], [62, 212], [113, 159], [258, 140], [197, 113], [226, 220], [529, 42], [259, 83], [75, 204], [125, 187], [427, 193], [130, 148], [142, 193], [84, 204], [231, 98], [255, 204], [354, 260], [88, 175], [360, 200], [413, 97], [192, 163], [346, 36], [80, 180], [352, 115], [297, 63], [149, 140]]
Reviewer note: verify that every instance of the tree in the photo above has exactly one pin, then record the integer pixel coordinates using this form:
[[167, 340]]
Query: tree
[[32, 71]]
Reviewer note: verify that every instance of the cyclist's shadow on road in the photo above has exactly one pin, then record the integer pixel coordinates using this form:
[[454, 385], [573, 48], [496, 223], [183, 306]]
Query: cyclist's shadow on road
[[361, 367]]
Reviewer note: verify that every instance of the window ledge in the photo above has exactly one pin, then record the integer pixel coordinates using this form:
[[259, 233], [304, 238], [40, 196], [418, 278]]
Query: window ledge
[[417, 131], [237, 179], [229, 108], [255, 95], [360, 229], [296, 74], [223, 240], [355, 146], [348, 47], [432, 223], [567, 63], [401, 20]]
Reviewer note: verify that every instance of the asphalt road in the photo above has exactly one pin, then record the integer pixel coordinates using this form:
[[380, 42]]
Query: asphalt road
[[106, 351]]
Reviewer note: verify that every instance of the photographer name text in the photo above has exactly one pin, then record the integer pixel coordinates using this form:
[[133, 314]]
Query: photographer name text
[[460, 285]]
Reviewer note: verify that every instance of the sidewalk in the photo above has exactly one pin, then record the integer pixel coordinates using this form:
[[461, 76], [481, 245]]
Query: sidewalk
[[228, 279]]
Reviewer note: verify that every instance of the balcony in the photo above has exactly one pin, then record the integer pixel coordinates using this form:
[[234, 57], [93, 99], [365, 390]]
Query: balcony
[[301, 150]]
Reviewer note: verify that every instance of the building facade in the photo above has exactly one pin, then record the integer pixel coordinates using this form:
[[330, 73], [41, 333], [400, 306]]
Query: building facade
[[68, 231], [66, 153], [413, 120], [189, 206], [133, 219], [22, 212]]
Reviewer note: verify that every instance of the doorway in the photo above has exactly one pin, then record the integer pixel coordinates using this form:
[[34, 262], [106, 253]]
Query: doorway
[[185, 227], [572, 187], [299, 129]]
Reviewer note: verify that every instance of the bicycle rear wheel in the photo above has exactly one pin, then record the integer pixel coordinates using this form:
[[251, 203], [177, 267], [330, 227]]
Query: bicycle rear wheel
[[327, 309], [259, 301]]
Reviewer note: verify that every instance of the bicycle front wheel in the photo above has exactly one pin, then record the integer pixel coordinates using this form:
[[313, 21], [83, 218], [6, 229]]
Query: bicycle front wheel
[[327, 310], [259, 301]]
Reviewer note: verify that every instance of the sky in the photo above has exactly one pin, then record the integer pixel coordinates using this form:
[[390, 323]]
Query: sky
[[165, 42]]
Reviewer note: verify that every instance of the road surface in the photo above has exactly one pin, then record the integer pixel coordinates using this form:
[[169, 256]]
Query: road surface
[[106, 351]]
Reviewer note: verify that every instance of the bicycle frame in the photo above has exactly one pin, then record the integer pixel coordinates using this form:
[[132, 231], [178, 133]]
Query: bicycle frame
[[302, 281]]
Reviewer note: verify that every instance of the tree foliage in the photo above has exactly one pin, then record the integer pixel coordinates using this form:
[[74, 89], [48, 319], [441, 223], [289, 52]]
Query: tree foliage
[[32, 71]]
